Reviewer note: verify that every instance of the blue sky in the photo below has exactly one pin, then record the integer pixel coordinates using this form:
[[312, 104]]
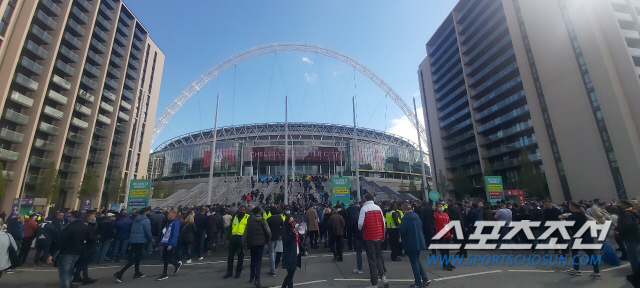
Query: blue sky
[[387, 36]]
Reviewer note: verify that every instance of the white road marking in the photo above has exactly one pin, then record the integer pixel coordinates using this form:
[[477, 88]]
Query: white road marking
[[466, 275], [614, 268], [535, 271], [304, 283]]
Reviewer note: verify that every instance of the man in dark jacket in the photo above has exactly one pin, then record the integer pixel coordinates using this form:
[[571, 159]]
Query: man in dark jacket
[[413, 242], [353, 212], [158, 221], [200, 220], [45, 234], [628, 227], [455, 214], [214, 225], [140, 235], [121, 240], [275, 226], [336, 232], [551, 214], [88, 250], [536, 215], [256, 235], [70, 244], [428, 223], [107, 231]]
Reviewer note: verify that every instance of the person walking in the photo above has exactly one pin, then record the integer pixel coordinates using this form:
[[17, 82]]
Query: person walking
[[336, 231], [313, 227], [140, 235], [628, 228], [371, 223], [578, 215], [257, 234], [29, 234], [238, 226], [393, 220], [291, 257], [441, 220], [226, 225], [106, 231], [6, 240], [45, 234], [357, 236], [186, 238], [275, 226], [121, 239], [70, 244], [413, 242], [88, 250], [200, 221], [169, 241]]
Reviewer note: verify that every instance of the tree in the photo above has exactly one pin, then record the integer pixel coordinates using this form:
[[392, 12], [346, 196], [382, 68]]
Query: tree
[[412, 186], [171, 189], [117, 188], [3, 183], [89, 186], [530, 178], [461, 183], [488, 171], [159, 190], [48, 185], [403, 187], [443, 183]]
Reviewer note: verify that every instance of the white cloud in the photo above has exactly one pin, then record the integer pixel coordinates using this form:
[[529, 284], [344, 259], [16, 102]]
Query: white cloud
[[336, 73], [305, 59], [403, 127], [310, 77]]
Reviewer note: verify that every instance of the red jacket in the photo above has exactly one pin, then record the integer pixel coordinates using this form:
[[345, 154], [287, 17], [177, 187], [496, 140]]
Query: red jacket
[[371, 222], [441, 220], [30, 226]]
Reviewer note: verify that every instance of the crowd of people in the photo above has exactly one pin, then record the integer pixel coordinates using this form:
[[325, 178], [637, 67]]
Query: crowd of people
[[73, 240]]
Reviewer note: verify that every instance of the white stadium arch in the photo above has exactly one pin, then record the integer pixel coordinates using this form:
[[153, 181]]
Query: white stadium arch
[[279, 47]]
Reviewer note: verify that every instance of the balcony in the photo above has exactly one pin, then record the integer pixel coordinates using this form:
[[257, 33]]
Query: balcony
[[105, 25], [106, 107], [40, 162], [101, 131], [132, 74], [16, 117], [90, 83], [137, 44], [98, 46], [92, 70], [464, 161], [26, 82], [73, 57], [512, 162], [95, 158], [626, 17], [113, 72], [69, 168], [48, 128], [125, 105], [86, 96], [64, 84], [51, 6], [80, 16], [33, 179], [135, 54], [75, 27], [73, 40], [99, 145], [127, 94], [79, 123], [106, 12], [119, 139], [83, 109], [75, 137], [123, 29], [44, 145], [115, 163], [134, 64], [118, 51], [103, 36], [31, 65], [508, 132], [84, 5], [21, 99], [130, 84], [44, 36], [65, 68], [109, 3], [46, 20], [510, 147], [465, 148], [125, 20], [116, 151], [8, 155], [121, 128], [635, 52], [109, 95], [55, 113], [117, 62], [123, 116], [97, 59], [104, 119], [111, 83], [11, 136], [33, 47], [73, 153], [7, 175], [504, 118], [120, 40]]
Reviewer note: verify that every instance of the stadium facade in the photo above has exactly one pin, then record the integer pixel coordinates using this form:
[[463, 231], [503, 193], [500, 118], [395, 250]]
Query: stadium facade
[[258, 149]]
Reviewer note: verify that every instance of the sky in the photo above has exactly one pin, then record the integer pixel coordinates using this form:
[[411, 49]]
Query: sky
[[388, 37]]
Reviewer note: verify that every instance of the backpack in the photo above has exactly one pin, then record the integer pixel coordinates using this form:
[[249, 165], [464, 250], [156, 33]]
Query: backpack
[[14, 259]]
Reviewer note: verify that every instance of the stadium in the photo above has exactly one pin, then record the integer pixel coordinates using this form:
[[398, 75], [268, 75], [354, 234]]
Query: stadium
[[257, 150]]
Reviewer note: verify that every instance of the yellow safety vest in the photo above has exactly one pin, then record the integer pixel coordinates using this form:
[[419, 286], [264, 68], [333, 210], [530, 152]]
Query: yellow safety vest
[[238, 227], [266, 215], [283, 216], [389, 219], [400, 215]]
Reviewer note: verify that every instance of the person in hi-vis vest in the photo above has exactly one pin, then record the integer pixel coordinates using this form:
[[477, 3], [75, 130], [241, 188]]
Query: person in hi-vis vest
[[393, 219], [238, 225]]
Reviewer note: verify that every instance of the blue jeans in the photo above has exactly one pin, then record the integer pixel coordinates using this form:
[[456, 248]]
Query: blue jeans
[[272, 256], [358, 244], [65, 269], [200, 237], [119, 249], [632, 254], [416, 265], [103, 247]]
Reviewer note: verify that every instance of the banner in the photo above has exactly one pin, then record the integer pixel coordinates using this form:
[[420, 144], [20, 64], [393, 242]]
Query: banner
[[341, 191], [494, 189], [138, 194]]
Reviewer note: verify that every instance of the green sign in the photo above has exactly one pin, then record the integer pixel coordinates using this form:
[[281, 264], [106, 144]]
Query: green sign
[[434, 195], [341, 191], [138, 194], [494, 188]]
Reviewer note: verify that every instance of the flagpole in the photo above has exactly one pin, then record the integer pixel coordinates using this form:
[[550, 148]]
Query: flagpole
[[424, 177], [286, 151], [213, 151], [355, 149]]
